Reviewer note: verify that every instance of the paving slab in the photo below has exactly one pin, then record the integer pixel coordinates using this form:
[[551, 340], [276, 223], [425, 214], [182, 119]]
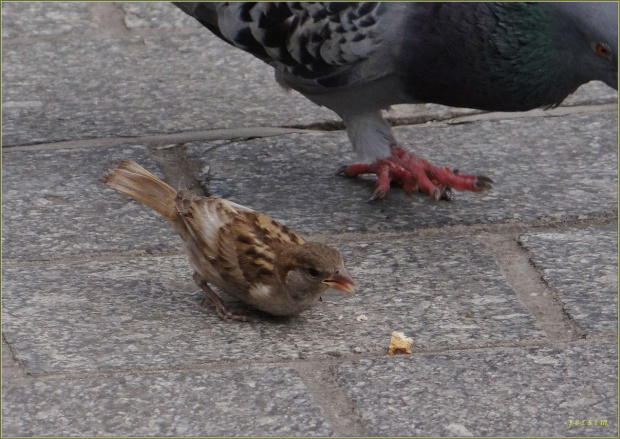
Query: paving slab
[[513, 393], [158, 15], [581, 266], [537, 165], [594, 92], [135, 86], [262, 401], [129, 312], [53, 205], [33, 19]]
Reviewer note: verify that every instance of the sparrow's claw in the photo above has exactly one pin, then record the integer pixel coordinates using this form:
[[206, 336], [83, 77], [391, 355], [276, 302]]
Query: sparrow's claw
[[416, 174], [221, 310], [228, 316], [213, 298]]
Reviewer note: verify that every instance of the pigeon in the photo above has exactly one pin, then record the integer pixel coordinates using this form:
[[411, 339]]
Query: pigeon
[[245, 253], [358, 59]]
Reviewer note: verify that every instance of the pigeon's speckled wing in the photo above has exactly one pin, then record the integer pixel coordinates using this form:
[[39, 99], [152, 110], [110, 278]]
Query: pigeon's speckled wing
[[327, 44]]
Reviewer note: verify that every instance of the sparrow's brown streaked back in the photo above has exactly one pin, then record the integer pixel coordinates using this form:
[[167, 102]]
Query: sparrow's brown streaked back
[[243, 252]]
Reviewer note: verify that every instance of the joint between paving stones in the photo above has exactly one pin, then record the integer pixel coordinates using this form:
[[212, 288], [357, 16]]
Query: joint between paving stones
[[110, 19], [578, 331], [179, 172], [237, 134], [335, 407], [13, 356], [505, 229], [530, 288], [567, 110], [97, 257], [474, 116], [231, 134], [318, 365]]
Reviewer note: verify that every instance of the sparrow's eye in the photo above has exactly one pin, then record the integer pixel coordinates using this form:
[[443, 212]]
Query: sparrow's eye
[[313, 272]]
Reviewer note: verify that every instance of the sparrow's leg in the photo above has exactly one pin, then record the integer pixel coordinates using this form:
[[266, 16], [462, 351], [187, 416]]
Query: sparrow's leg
[[415, 173], [215, 300]]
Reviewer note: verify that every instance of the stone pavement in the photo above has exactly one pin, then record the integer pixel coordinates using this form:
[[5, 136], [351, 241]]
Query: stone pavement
[[510, 296]]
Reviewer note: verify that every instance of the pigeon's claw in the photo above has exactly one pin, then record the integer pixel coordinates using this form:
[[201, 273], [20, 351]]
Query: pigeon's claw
[[386, 171], [414, 174], [483, 182]]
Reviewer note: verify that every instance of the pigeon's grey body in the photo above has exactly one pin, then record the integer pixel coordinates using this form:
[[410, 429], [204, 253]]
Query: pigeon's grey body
[[360, 58]]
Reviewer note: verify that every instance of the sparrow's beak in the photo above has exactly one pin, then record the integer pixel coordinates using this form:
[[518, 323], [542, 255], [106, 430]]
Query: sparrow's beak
[[341, 280]]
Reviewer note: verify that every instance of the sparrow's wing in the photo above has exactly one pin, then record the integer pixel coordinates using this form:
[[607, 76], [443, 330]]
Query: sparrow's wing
[[212, 223], [257, 239], [238, 242]]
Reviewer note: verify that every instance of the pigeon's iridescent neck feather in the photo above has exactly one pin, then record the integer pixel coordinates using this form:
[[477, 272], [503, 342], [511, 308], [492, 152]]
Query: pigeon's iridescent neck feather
[[494, 56], [526, 55]]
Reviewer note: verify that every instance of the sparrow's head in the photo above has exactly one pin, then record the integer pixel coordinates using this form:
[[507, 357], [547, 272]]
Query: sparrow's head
[[311, 268]]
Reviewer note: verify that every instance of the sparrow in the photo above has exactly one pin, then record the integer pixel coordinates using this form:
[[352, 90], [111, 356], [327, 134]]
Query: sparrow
[[359, 58], [244, 253]]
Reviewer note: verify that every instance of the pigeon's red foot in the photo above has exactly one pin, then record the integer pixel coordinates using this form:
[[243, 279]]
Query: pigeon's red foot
[[415, 174]]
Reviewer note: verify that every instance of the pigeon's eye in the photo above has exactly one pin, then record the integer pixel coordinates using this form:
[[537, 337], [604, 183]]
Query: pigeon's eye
[[603, 50], [313, 272]]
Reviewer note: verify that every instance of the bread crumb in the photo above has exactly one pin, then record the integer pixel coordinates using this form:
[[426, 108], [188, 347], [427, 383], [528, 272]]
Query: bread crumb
[[361, 317], [399, 344]]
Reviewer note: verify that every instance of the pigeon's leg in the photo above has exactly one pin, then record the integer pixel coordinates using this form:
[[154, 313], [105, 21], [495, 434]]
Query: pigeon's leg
[[415, 173], [221, 310]]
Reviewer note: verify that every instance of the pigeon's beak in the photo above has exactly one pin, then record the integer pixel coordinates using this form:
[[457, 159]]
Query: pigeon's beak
[[341, 280]]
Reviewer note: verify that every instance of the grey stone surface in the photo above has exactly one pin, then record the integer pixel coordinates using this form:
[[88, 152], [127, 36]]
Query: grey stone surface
[[582, 267], [135, 86], [594, 92], [536, 163], [262, 401], [158, 15], [30, 19], [11, 372], [107, 315], [54, 205], [521, 393]]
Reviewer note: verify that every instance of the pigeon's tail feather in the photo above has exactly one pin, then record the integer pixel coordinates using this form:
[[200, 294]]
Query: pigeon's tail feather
[[132, 179]]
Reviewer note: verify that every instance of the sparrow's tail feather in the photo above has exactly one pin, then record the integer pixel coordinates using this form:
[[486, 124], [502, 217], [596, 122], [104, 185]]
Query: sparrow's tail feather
[[132, 179]]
